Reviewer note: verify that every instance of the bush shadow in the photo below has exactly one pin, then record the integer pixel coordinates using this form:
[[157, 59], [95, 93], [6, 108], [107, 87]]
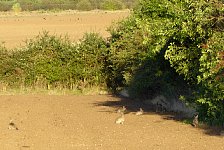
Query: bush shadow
[[117, 101]]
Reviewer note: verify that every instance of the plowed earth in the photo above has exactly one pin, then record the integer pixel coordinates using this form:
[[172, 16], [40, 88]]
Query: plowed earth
[[47, 122], [15, 30]]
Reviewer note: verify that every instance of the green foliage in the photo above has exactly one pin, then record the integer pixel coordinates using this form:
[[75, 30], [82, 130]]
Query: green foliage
[[30, 5], [52, 61], [112, 5], [164, 37], [130, 4], [92, 53], [16, 8], [84, 5], [6, 5], [4, 55], [169, 47], [127, 53], [8, 67], [193, 34], [195, 53], [136, 62]]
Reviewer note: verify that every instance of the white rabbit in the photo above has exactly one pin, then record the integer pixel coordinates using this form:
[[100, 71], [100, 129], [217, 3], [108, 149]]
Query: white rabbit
[[121, 110], [120, 120], [140, 112]]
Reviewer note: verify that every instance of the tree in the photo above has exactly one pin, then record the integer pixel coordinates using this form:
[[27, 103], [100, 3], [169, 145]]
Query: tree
[[186, 33]]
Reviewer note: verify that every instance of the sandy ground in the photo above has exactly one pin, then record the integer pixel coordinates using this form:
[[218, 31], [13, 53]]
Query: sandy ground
[[14, 30], [47, 122]]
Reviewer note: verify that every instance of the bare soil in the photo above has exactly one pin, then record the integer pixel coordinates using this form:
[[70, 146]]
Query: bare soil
[[68, 122], [47, 122], [15, 30]]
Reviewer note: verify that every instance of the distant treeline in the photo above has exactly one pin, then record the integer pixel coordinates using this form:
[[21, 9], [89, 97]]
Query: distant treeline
[[30, 5]]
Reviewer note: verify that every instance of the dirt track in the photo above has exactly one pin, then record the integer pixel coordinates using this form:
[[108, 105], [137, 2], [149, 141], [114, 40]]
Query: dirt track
[[14, 30], [87, 122]]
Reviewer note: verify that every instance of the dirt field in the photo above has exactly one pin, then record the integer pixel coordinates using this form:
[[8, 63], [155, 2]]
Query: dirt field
[[14, 30], [47, 122]]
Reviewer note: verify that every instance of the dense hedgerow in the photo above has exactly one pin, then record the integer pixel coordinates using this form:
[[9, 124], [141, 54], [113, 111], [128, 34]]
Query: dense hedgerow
[[137, 62], [174, 48], [52, 61], [30, 5], [167, 42]]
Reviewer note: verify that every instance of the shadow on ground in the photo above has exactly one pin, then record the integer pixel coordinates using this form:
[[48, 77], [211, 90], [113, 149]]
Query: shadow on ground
[[131, 105]]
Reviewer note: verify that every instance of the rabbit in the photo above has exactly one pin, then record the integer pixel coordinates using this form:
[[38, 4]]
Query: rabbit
[[120, 120], [195, 121], [12, 126], [140, 112], [122, 110]]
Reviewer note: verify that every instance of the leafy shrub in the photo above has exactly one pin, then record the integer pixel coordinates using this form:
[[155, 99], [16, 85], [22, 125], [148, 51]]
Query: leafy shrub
[[189, 35], [112, 5], [4, 57], [172, 37], [136, 61], [194, 53], [6, 5], [130, 4], [10, 74], [16, 8], [84, 5], [52, 61], [127, 53], [92, 52], [30, 5]]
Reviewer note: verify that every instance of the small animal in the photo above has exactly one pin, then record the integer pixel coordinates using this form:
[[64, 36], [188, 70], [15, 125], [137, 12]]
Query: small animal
[[140, 112], [195, 121], [12, 126], [121, 110], [120, 120]]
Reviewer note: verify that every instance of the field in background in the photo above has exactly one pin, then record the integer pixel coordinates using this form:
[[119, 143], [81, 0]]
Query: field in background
[[14, 30]]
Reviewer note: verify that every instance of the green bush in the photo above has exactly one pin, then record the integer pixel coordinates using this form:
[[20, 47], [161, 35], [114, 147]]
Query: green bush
[[10, 73], [84, 5], [16, 8], [93, 52], [137, 61], [189, 34], [126, 53], [166, 42], [52, 61], [195, 53], [4, 57], [6, 5], [112, 5], [30, 5]]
